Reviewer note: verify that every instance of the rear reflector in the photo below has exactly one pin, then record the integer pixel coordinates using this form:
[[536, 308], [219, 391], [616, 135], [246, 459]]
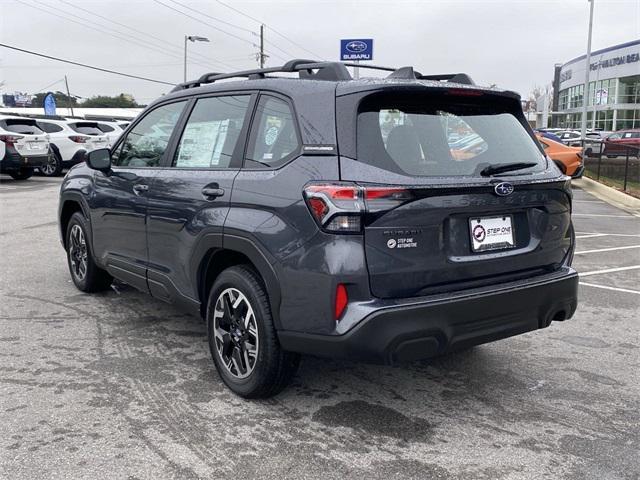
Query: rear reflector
[[341, 300], [78, 138]]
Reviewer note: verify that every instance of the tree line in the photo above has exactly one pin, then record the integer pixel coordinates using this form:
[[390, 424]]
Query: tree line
[[123, 100]]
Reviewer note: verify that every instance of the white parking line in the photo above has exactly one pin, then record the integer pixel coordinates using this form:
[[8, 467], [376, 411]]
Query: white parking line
[[611, 249], [608, 270], [594, 234], [588, 201], [602, 215], [626, 290]]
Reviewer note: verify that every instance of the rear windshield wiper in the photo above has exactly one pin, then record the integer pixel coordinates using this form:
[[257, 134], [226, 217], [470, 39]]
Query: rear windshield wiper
[[505, 167]]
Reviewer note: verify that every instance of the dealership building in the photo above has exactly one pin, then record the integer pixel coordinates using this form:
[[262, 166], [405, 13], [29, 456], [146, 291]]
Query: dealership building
[[613, 94]]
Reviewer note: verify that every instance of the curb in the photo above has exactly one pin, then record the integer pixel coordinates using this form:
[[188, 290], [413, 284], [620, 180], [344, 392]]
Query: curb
[[608, 194]]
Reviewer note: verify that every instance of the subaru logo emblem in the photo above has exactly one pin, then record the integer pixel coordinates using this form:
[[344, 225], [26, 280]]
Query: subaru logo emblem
[[356, 46], [503, 189]]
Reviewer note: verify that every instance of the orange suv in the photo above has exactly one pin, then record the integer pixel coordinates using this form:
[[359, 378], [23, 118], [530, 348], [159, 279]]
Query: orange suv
[[568, 159]]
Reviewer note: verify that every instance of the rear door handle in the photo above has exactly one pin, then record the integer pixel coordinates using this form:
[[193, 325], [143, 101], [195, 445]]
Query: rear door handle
[[210, 192], [140, 188]]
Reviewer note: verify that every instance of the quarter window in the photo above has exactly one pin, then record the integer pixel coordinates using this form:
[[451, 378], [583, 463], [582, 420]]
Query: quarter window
[[145, 144], [211, 134], [273, 135]]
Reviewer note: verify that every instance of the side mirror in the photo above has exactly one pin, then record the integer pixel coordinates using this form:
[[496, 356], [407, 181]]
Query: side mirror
[[99, 159]]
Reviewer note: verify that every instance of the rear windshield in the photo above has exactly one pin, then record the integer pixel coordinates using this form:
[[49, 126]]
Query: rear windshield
[[86, 128], [26, 127], [427, 136], [105, 128]]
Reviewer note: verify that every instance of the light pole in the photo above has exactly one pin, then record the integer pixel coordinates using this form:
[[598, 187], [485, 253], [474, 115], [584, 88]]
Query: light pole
[[583, 130], [191, 38]]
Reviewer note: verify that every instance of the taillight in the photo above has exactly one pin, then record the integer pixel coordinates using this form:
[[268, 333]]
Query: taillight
[[10, 140], [78, 138], [338, 207], [341, 300]]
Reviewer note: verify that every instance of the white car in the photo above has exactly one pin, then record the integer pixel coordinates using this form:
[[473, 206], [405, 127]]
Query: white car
[[23, 147], [112, 129], [70, 141]]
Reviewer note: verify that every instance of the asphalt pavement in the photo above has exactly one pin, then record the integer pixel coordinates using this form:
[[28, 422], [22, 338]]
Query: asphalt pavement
[[119, 385]]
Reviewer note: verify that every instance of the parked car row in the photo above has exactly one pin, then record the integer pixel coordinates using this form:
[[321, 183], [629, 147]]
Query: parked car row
[[611, 144], [51, 144]]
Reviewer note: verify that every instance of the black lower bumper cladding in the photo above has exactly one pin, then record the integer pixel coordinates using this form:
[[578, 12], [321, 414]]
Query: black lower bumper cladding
[[427, 329]]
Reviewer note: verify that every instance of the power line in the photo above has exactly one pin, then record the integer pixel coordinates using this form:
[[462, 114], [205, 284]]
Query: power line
[[51, 85], [84, 65], [200, 12], [159, 39], [270, 28], [205, 23], [93, 28], [213, 18], [118, 35]]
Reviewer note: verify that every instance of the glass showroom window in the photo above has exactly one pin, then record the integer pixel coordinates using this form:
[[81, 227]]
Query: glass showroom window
[[628, 119], [629, 89], [602, 92]]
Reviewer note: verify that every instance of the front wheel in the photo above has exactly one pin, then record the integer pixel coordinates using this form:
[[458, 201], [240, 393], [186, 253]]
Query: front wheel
[[22, 174], [242, 337], [86, 275]]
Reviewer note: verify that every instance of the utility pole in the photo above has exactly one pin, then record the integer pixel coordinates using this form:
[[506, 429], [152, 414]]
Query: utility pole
[[583, 130], [262, 56], [69, 104]]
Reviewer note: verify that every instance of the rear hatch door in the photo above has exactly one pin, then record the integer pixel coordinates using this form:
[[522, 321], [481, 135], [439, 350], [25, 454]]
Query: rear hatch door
[[97, 138], [452, 217], [29, 139]]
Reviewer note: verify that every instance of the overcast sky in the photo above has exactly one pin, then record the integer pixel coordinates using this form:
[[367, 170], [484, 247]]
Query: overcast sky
[[513, 44]]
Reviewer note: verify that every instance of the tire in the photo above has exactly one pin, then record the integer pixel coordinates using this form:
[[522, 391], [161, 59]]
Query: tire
[[53, 167], [86, 275], [22, 174], [238, 342]]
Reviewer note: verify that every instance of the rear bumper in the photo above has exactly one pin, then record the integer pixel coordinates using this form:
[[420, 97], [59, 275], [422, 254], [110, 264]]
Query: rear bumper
[[78, 157], [13, 161], [428, 328]]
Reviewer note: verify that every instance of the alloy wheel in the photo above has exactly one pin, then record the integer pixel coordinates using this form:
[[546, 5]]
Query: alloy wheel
[[78, 252], [50, 167], [236, 333]]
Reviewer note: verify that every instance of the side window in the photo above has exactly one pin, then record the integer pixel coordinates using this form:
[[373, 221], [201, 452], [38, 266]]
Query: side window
[[145, 144], [211, 133], [273, 134], [105, 128]]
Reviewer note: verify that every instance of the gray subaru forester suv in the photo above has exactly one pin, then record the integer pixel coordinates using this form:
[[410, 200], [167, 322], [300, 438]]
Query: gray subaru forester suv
[[381, 219]]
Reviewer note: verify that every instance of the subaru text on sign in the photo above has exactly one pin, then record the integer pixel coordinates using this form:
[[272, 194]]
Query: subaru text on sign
[[356, 49]]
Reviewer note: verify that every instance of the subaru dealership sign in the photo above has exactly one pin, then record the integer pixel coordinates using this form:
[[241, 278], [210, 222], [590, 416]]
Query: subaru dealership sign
[[356, 49]]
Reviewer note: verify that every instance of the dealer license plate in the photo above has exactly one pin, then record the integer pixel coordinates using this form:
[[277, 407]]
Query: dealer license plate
[[491, 233]]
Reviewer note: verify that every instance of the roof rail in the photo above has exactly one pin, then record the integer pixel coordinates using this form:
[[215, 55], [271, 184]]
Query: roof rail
[[321, 70]]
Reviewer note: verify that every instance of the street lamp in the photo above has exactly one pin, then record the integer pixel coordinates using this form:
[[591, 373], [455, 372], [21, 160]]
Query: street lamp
[[585, 94], [191, 38]]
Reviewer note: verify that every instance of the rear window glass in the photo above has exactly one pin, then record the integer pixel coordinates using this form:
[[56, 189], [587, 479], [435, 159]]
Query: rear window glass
[[422, 136], [26, 127], [86, 128], [50, 127], [105, 128]]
